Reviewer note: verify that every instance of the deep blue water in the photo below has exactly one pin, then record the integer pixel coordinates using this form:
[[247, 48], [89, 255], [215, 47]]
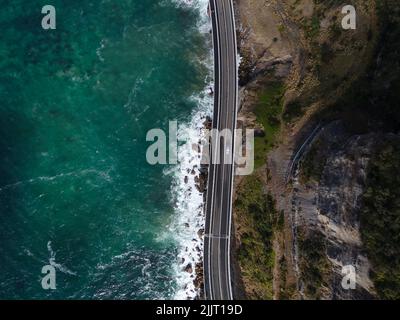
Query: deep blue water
[[75, 106]]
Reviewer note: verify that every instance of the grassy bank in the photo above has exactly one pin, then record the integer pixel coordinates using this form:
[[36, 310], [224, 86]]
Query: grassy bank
[[257, 217], [255, 211], [268, 112], [314, 264]]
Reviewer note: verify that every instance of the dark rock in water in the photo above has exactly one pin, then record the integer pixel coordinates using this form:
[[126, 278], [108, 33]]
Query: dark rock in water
[[203, 168], [200, 233], [208, 123], [199, 281], [187, 225], [201, 182], [186, 179], [189, 268]]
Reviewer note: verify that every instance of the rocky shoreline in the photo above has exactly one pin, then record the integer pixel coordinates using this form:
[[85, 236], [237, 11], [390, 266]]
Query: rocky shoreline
[[200, 174]]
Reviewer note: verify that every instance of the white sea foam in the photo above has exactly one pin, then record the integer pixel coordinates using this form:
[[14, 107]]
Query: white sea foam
[[189, 205], [58, 266]]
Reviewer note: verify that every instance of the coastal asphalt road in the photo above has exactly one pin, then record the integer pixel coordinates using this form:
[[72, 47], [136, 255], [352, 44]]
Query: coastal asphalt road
[[217, 275]]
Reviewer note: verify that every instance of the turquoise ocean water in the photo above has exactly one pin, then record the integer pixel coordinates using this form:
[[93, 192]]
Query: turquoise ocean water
[[75, 106]]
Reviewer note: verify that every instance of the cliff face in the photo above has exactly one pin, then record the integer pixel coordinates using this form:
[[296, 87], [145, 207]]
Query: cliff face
[[324, 74], [329, 205]]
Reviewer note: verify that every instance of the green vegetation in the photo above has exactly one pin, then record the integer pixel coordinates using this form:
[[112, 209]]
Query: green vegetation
[[255, 209], [286, 291], [369, 83], [369, 105], [245, 67], [372, 102], [292, 111], [257, 216], [314, 265], [380, 219], [312, 26], [268, 112]]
